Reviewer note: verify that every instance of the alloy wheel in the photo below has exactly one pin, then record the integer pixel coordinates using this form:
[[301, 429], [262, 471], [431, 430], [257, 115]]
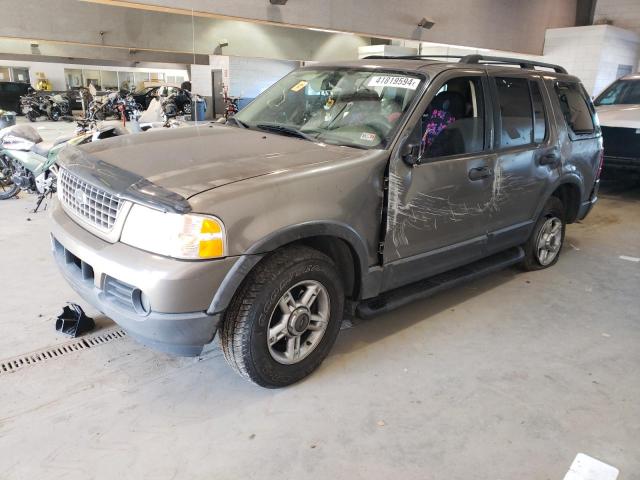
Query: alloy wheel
[[298, 322], [549, 241]]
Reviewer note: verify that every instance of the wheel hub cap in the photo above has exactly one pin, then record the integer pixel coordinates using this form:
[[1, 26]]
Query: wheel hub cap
[[549, 241], [298, 322]]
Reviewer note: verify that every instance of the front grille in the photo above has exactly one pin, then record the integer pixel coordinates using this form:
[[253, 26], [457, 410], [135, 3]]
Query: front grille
[[621, 142], [92, 204]]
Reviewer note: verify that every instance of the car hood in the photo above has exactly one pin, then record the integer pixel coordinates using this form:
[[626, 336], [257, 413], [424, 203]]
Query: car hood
[[191, 160], [622, 116]]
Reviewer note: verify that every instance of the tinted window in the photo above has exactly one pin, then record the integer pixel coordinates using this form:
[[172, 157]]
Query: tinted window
[[453, 123], [516, 115], [574, 106], [539, 118]]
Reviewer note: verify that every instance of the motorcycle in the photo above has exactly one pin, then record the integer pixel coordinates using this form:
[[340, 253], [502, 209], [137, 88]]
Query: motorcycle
[[35, 106], [113, 104], [230, 106], [61, 101], [28, 163]]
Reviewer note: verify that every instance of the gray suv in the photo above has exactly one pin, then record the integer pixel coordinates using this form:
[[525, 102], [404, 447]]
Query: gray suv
[[344, 189]]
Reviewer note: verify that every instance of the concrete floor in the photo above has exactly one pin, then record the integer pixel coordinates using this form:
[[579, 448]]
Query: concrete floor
[[506, 378]]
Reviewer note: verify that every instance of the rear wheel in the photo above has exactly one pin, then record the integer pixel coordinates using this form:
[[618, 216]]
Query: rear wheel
[[542, 250], [285, 318], [32, 116]]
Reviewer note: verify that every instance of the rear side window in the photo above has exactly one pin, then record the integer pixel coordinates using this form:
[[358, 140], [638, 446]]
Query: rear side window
[[516, 113], [575, 107]]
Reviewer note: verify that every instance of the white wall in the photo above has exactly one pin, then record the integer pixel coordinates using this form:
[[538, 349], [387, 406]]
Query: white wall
[[248, 77], [591, 53]]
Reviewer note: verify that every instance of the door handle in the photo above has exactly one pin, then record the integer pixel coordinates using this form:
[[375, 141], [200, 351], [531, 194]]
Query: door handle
[[478, 173], [551, 159]]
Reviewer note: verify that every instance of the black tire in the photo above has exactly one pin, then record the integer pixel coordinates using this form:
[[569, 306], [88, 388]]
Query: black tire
[[186, 108], [243, 335], [8, 189], [553, 209], [55, 114], [32, 116]]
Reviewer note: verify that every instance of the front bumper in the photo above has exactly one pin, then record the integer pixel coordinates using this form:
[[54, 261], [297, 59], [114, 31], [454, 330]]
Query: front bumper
[[171, 315], [626, 164]]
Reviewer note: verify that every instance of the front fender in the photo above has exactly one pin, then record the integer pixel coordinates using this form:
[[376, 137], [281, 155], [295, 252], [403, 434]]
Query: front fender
[[282, 237], [31, 161]]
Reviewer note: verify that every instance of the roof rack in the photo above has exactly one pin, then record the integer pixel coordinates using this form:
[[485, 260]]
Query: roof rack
[[479, 59]]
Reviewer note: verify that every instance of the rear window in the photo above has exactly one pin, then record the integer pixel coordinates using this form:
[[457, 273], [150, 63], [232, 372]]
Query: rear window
[[576, 108]]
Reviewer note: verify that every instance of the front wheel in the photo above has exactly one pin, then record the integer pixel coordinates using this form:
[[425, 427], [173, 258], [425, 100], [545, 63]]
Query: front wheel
[[542, 250], [8, 189], [285, 317], [32, 115], [55, 114]]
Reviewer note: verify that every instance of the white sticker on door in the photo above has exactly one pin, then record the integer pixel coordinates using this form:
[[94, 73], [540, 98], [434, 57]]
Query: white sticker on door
[[396, 82]]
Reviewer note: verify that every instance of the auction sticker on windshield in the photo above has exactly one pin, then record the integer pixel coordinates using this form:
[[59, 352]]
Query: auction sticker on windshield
[[396, 82]]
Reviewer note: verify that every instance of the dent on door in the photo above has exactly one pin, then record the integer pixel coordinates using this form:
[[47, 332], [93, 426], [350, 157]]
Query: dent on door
[[444, 205]]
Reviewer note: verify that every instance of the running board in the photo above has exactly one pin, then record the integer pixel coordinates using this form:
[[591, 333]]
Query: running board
[[426, 288]]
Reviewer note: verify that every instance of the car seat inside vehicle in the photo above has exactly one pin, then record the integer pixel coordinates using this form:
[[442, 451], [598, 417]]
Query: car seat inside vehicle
[[453, 122]]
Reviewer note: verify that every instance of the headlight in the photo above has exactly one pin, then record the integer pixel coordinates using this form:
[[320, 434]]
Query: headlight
[[174, 235]]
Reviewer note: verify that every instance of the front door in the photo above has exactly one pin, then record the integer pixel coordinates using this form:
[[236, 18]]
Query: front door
[[439, 208]]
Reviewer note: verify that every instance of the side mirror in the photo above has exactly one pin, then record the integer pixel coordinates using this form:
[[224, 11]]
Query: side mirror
[[410, 153]]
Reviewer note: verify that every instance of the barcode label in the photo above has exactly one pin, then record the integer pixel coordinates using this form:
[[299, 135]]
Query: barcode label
[[396, 82]]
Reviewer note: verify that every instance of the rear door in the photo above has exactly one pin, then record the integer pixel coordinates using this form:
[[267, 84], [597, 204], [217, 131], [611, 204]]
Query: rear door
[[439, 208], [528, 158]]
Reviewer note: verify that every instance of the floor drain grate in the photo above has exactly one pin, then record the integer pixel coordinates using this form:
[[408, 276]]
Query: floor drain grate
[[39, 356]]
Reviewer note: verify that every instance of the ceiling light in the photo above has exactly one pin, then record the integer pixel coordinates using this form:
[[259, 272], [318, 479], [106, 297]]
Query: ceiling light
[[278, 2], [426, 23]]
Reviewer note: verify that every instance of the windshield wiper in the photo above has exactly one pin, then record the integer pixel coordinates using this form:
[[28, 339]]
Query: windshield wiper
[[240, 123], [294, 132]]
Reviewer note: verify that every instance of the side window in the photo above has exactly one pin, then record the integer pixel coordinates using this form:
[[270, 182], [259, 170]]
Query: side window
[[575, 107], [516, 114], [453, 123], [539, 117]]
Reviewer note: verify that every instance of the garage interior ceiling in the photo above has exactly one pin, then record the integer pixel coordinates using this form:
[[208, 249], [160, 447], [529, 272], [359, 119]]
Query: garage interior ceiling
[[461, 22]]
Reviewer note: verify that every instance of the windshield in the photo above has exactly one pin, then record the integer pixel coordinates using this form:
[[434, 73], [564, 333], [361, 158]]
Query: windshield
[[358, 108], [621, 92]]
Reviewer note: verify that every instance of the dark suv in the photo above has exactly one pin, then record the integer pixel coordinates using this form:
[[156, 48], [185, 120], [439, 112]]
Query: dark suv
[[348, 188], [10, 93]]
